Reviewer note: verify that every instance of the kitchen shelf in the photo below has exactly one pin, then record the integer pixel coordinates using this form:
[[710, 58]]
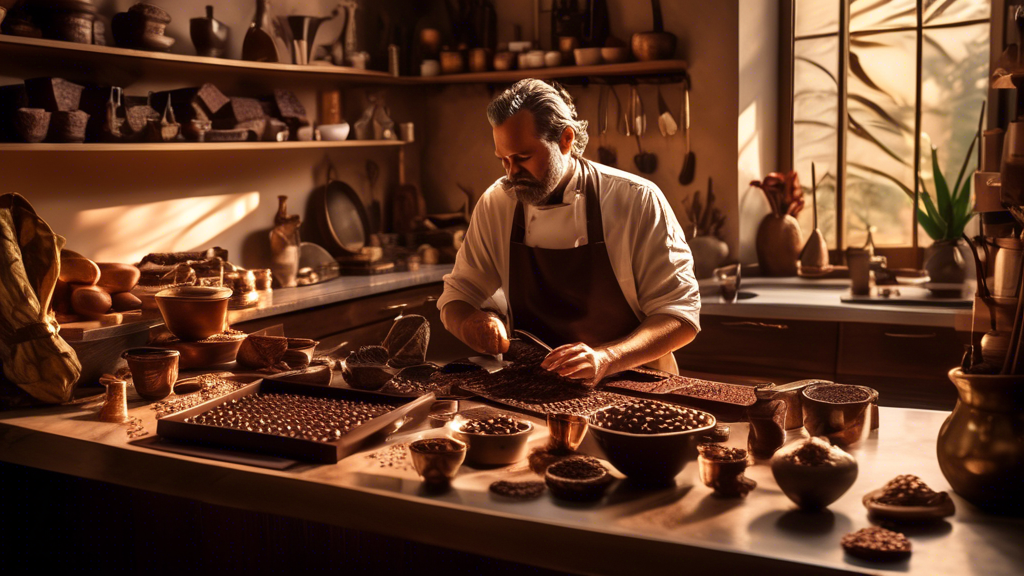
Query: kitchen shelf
[[196, 146], [625, 70], [39, 54]]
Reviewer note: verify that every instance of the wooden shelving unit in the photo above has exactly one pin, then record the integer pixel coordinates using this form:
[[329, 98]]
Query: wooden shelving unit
[[39, 54], [196, 146]]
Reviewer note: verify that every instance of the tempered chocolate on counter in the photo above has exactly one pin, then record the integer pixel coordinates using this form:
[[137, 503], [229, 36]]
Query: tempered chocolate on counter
[[407, 341]]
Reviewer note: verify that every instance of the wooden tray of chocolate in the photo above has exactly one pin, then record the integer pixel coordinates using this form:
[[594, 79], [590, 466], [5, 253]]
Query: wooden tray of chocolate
[[299, 421]]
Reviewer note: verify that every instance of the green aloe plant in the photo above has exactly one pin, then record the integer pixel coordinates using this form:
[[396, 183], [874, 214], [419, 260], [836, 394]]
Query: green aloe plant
[[945, 217]]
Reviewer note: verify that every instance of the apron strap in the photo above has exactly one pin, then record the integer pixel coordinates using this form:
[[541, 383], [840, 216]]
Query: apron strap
[[595, 224]]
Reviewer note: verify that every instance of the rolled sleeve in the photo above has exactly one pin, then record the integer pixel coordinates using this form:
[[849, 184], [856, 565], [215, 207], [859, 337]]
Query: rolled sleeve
[[663, 263], [475, 276]]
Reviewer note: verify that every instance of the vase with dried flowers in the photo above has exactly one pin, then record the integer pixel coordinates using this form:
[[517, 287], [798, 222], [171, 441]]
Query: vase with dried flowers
[[703, 233], [779, 239]]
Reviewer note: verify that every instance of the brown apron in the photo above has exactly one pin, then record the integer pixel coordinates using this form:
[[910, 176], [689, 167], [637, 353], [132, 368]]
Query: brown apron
[[568, 295]]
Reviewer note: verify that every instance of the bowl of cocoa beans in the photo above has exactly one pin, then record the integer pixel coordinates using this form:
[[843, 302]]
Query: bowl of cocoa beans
[[650, 441], [497, 440]]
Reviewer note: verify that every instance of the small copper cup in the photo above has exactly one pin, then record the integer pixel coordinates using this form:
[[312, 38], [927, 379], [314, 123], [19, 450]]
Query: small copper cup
[[723, 474], [437, 460], [154, 370], [567, 431]]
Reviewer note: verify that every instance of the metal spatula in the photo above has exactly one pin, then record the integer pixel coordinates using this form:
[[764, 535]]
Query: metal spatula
[[690, 161]]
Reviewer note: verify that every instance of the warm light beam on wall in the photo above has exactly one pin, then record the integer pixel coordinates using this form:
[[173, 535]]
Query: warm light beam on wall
[[127, 233]]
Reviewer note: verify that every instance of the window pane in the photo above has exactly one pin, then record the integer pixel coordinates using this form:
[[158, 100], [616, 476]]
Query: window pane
[[955, 80], [882, 14], [880, 148], [816, 17], [814, 130], [946, 12]]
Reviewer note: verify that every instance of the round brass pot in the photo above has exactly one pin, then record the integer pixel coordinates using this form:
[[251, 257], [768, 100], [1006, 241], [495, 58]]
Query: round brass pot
[[154, 370], [194, 312], [981, 443], [653, 45]]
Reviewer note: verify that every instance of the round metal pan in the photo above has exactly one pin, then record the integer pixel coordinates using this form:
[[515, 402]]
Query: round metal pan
[[343, 217]]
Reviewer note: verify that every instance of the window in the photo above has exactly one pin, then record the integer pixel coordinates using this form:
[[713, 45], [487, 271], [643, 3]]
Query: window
[[916, 76]]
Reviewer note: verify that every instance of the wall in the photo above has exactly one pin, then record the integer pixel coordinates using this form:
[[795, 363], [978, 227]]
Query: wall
[[229, 198], [757, 129]]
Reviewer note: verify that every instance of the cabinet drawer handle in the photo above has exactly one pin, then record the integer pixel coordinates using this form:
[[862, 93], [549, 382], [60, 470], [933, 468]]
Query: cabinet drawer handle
[[749, 324], [394, 307], [431, 299], [913, 336]]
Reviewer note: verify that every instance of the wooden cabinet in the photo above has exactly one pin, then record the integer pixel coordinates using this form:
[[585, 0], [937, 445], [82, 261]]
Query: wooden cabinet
[[775, 350], [365, 321], [906, 364]]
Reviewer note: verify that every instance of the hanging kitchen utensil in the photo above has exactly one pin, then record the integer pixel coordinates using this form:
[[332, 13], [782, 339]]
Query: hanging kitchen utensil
[[605, 154], [343, 218], [622, 115], [646, 162], [376, 211], [666, 122], [690, 160]]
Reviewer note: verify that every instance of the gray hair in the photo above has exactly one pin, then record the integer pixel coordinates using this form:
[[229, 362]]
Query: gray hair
[[552, 108]]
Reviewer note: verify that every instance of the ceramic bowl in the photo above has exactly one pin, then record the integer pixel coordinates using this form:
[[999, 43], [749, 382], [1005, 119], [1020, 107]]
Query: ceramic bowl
[[577, 489], [194, 312], [812, 487], [648, 46], [334, 132], [615, 54], [587, 56], [650, 458], [494, 449]]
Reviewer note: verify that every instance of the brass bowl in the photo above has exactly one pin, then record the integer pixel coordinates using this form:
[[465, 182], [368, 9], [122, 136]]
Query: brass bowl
[[154, 370], [567, 430], [844, 423], [653, 45], [437, 460], [194, 312], [487, 450]]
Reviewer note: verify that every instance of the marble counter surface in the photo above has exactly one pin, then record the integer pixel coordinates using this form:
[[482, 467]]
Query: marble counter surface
[[629, 532]]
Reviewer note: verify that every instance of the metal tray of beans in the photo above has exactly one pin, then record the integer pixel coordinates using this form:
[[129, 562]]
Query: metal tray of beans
[[298, 421]]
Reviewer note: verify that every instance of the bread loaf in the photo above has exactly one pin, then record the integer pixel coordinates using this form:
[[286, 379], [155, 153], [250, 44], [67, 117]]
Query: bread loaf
[[61, 301], [90, 301], [79, 271], [115, 278], [124, 301]]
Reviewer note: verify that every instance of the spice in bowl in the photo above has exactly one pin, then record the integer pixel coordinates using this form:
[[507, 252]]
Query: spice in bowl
[[578, 479], [813, 473], [838, 394], [437, 460], [494, 440], [495, 425], [722, 468]]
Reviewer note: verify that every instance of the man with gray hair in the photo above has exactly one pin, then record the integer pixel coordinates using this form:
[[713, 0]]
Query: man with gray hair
[[588, 258]]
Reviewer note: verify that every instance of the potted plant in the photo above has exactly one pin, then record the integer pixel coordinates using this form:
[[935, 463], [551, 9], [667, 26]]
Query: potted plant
[[706, 220], [779, 239], [944, 219]]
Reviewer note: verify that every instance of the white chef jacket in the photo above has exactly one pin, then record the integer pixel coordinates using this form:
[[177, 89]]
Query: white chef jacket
[[647, 248]]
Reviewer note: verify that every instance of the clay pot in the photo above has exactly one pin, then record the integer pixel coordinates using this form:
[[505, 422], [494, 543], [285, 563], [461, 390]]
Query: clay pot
[[452, 62], [981, 443], [209, 35], [69, 127], [946, 264], [709, 253], [32, 124], [653, 45], [779, 241]]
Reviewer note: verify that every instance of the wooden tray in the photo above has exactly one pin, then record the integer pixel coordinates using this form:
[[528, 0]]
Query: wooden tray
[[175, 427]]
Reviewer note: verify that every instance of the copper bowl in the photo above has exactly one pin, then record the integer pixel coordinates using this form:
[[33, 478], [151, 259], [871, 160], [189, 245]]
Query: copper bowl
[[194, 312], [844, 423], [437, 460], [154, 370], [653, 45]]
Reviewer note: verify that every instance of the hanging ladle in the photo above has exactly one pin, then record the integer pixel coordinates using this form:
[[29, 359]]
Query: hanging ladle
[[605, 154]]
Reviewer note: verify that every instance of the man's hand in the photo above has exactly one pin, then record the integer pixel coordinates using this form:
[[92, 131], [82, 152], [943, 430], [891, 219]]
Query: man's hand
[[485, 333], [579, 361]]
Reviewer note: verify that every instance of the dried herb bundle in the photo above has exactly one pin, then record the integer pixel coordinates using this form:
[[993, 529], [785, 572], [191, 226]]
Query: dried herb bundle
[[705, 218], [783, 192]]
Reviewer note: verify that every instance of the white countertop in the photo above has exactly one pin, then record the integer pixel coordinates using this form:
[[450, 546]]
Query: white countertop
[[629, 532]]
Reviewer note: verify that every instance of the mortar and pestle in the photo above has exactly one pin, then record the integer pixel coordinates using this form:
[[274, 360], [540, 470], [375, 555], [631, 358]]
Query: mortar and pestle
[[814, 256]]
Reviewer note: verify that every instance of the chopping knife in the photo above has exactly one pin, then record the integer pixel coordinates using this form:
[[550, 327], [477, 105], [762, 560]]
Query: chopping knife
[[527, 336]]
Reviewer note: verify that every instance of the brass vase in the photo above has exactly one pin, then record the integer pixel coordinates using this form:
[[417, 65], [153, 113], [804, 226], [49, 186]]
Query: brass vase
[[981, 443]]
